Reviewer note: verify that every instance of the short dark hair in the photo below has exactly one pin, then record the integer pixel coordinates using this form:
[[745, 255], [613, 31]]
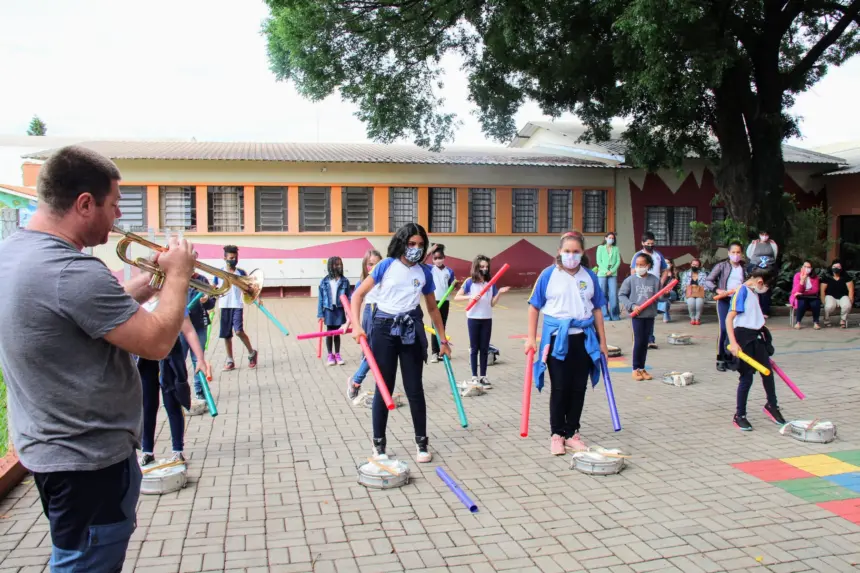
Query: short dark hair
[[440, 250], [648, 236], [72, 171], [836, 262], [763, 273], [648, 259], [231, 249], [397, 246], [738, 243]]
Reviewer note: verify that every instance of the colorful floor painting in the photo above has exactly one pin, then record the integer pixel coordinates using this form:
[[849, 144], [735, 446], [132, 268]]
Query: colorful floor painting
[[830, 481]]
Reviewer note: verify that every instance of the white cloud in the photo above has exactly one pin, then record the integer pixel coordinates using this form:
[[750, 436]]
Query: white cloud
[[198, 68]]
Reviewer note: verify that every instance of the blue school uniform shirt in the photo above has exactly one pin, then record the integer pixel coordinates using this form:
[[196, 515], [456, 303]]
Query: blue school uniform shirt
[[399, 286], [745, 303]]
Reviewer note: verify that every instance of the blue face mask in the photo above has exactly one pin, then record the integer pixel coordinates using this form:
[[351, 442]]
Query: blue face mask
[[413, 254]]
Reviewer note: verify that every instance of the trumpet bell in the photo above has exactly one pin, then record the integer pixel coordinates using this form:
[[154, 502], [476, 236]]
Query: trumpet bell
[[253, 286]]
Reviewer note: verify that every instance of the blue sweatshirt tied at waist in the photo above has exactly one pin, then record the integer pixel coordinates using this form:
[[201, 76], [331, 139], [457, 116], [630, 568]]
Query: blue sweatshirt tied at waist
[[408, 326], [560, 327]]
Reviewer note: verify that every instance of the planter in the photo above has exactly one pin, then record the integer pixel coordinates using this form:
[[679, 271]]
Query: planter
[[11, 473]]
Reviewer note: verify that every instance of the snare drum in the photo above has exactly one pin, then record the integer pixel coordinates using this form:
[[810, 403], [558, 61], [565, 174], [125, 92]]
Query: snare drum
[[614, 351], [165, 480], [594, 463], [678, 378], [371, 475], [680, 339], [366, 399], [822, 432]]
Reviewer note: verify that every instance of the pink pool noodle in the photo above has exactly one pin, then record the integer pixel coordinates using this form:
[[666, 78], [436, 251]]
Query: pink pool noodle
[[787, 380], [322, 334], [527, 394], [489, 285], [371, 361]]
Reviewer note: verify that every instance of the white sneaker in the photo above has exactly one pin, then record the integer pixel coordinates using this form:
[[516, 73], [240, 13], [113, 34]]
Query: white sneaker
[[434, 358]]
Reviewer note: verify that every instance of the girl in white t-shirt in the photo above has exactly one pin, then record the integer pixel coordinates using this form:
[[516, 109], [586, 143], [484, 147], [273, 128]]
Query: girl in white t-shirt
[[479, 318], [571, 341], [398, 329], [370, 260]]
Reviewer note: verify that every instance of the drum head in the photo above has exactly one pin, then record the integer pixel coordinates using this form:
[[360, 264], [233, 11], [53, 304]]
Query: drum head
[[383, 474]]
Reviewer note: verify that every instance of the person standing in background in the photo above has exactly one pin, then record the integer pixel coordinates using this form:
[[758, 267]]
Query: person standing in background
[[658, 267], [443, 277], [763, 250], [725, 278], [233, 312], [608, 262]]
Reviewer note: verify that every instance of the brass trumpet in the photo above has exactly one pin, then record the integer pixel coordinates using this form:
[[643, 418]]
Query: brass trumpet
[[251, 285]]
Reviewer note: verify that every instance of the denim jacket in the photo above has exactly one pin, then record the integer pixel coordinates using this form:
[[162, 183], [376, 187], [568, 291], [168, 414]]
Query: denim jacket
[[324, 302]]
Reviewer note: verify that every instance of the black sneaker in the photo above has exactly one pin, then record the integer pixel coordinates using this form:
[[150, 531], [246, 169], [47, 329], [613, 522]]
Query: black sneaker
[[485, 383], [653, 346], [146, 459], [774, 414], [200, 396], [742, 424], [721, 366], [379, 448], [351, 389]]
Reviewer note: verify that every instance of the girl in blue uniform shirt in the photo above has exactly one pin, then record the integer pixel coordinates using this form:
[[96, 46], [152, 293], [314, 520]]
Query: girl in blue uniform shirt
[[370, 260], [479, 318], [329, 308], [572, 339], [398, 330]]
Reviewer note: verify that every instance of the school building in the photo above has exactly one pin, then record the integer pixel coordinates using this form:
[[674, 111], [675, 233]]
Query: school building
[[290, 206]]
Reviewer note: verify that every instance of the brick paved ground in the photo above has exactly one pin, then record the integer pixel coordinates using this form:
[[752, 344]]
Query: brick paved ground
[[273, 485]]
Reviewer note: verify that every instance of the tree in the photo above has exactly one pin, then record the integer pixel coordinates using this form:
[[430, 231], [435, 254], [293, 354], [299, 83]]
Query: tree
[[37, 127], [711, 78]]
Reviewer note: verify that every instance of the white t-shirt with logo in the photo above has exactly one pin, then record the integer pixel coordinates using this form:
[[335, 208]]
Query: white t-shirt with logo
[[561, 295], [400, 286], [484, 307], [442, 279]]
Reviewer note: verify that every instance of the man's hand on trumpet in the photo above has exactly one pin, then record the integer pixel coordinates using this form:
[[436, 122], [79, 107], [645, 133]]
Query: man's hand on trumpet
[[178, 260]]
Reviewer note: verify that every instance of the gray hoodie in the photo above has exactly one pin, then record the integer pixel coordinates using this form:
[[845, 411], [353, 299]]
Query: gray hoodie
[[635, 290]]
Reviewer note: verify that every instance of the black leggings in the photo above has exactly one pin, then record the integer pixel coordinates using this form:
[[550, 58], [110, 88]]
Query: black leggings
[[480, 330], [149, 375], [388, 350], [443, 310], [748, 340], [568, 382], [332, 340]]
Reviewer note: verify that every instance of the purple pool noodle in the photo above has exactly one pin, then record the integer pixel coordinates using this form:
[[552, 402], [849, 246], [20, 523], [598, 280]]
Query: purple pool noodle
[[456, 489], [610, 395]]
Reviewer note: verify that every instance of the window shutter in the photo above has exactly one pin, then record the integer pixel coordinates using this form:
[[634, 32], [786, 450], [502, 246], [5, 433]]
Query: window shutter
[[226, 209], [443, 210], [525, 211], [357, 209], [132, 205], [271, 209], [402, 207], [594, 211], [560, 210], [482, 210], [178, 206], [315, 209]]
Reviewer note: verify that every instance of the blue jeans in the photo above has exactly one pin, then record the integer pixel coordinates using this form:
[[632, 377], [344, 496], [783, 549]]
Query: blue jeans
[[201, 334], [362, 371], [92, 516], [609, 286]]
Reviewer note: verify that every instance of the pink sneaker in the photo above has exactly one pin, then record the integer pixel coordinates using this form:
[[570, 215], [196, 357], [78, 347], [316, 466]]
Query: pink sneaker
[[557, 445], [338, 359], [575, 443], [330, 360]]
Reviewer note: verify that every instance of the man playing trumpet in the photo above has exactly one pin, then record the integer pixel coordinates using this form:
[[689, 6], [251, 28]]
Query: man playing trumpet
[[68, 330]]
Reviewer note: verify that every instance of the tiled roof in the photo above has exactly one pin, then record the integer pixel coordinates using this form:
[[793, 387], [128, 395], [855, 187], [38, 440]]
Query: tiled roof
[[325, 153], [616, 146], [849, 150], [31, 191]]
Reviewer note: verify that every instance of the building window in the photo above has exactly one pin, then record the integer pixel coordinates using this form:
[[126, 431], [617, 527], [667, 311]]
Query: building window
[[482, 210], [271, 205], [593, 211], [443, 210], [315, 209], [402, 207], [670, 225], [132, 205], [357, 209], [719, 214], [560, 210], [178, 208], [525, 211], [226, 206]]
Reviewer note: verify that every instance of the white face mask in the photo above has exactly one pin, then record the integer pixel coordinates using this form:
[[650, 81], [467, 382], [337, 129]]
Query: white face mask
[[763, 238], [571, 260], [610, 241], [761, 290], [641, 271]]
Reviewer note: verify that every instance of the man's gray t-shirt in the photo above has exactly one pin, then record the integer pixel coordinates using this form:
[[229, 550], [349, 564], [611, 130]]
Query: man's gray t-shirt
[[75, 400]]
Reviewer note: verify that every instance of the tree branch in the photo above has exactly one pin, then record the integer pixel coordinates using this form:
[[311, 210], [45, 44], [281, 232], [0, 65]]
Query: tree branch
[[850, 14]]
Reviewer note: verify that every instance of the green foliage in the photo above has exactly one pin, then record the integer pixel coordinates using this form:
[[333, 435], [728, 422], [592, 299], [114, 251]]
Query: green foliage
[[808, 240], [4, 419], [37, 127], [708, 238]]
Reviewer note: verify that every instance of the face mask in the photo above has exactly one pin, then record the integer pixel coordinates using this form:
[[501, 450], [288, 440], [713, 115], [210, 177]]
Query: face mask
[[439, 262], [232, 263], [837, 270], [649, 248], [735, 258], [694, 268], [641, 271], [807, 271], [761, 290], [337, 270], [484, 273], [610, 241], [413, 254], [763, 238], [570, 260]]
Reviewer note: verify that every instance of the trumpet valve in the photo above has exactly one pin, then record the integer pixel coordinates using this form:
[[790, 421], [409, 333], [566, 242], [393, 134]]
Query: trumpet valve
[[157, 281]]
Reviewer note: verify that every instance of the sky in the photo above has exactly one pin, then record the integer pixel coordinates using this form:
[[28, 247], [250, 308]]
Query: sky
[[198, 68]]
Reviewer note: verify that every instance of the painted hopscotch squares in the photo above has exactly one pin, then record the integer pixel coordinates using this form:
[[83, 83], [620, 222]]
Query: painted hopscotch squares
[[831, 481]]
